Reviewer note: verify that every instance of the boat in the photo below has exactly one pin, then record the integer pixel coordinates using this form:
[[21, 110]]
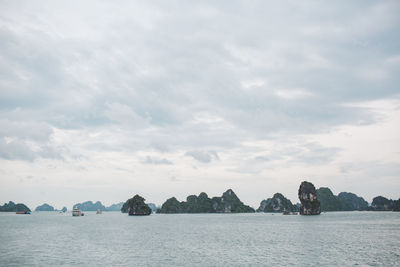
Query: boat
[[77, 212], [289, 213], [98, 212], [23, 212]]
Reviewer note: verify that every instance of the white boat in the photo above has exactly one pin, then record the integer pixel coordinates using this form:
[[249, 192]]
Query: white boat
[[77, 212]]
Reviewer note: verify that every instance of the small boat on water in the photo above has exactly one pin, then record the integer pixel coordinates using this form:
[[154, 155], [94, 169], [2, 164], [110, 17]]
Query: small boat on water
[[77, 212], [98, 212], [23, 212], [289, 213]]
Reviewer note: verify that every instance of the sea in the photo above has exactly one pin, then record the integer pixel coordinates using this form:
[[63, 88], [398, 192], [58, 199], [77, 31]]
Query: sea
[[260, 239]]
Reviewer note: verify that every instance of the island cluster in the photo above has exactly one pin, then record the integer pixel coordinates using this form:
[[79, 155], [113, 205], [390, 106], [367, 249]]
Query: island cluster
[[312, 202]]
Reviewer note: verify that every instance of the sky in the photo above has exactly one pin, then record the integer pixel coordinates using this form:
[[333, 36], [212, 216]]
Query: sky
[[102, 100]]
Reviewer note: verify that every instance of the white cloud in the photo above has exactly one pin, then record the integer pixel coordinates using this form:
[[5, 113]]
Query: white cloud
[[203, 156], [279, 94], [157, 161]]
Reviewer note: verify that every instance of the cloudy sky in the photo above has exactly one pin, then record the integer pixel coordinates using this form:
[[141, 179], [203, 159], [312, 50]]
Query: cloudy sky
[[101, 100]]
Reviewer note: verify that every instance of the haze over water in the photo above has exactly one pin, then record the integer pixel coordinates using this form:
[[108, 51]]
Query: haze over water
[[115, 239]]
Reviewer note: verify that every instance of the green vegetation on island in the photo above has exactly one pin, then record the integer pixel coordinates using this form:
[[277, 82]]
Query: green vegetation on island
[[172, 205], [396, 205], [12, 207], [346, 201], [227, 203], [329, 202], [381, 203], [135, 206], [44, 207], [352, 201], [198, 204], [343, 202], [278, 203], [313, 202]]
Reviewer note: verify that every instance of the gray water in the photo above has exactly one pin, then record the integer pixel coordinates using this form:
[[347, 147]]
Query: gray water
[[115, 239]]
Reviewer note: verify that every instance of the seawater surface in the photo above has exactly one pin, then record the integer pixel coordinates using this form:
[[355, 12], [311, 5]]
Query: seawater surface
[[115, 239]]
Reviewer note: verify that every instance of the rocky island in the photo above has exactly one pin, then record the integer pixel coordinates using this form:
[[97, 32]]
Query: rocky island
[[115, 207], [136, 207], [346, 201], [44, 207], [328, 201], [396, 205], [90, 206], [227, 203], [278, 203], [381, 203], [308, 198], [95, 206], [352, 201], [12, 207]]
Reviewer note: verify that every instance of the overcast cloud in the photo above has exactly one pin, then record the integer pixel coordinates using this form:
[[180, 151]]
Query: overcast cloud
[[101, 100]]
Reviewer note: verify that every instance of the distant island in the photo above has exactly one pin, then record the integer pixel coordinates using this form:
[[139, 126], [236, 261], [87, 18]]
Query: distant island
[[312, 202], [380, 203], [47, 207], [115, 207], [89, 206], [227, 203], [343, 202], [278, 203], [153, 207], [94, 206], [136, 207], [12, 207], [396, 205], [350, 202], [44, 207]]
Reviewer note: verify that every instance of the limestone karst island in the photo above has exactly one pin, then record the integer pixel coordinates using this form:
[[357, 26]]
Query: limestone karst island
[[312, 202]]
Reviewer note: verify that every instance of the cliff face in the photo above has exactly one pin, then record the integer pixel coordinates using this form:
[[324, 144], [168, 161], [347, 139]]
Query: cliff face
[[227, 203], [308, 198], [278, 203], [136, 207]]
